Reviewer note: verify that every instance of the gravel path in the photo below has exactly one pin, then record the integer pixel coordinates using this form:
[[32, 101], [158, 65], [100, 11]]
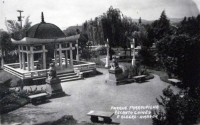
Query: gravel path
[[91, 94]]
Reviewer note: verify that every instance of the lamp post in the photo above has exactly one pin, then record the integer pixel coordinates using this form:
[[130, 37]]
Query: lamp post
[[107, 56], [20, 17], [133, 52], [77, 54]]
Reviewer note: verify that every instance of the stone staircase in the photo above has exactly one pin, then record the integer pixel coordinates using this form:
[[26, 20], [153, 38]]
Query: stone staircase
[[68, 76]]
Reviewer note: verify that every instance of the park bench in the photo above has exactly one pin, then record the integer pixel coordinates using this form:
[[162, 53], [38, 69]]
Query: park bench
[[102, 114], [174, 81], [38, 98], [140, 78]]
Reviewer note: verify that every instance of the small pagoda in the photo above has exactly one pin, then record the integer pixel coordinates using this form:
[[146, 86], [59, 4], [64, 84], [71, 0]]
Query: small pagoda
[[34, 52]]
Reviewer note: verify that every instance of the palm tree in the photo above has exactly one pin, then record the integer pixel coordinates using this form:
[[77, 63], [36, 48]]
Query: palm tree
[[15, 29]]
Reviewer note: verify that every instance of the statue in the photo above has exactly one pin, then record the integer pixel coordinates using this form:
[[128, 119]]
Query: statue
[[53, 86], [114, 64], [52, 72], [115, 73]]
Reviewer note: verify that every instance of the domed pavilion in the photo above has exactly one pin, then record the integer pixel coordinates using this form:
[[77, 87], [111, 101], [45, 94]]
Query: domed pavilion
[[43, 39]]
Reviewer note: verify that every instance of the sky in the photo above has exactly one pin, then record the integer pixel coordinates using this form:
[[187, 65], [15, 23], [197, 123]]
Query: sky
[[65, 13]]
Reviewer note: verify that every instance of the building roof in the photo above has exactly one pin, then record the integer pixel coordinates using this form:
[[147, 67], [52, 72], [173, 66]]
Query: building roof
[[45, 31]]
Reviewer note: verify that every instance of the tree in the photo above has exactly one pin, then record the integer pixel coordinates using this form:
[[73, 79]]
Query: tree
[[5, 45], [190, 26], [140, 20], [181, 108], [111, 22], [159, 28], [14, 28], [117, 28], [180, 57]]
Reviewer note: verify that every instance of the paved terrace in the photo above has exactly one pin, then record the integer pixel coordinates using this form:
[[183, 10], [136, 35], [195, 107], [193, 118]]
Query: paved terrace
[[91, 94]]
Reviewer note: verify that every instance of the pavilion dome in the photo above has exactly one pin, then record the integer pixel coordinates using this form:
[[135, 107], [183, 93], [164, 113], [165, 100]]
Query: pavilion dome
[[45, 30]]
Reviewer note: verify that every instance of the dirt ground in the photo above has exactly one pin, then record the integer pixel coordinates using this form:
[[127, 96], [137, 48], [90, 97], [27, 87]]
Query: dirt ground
[[91, 94]]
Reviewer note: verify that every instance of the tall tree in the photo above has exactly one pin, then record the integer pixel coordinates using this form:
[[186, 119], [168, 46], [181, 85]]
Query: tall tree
[[159, 28], [5, 45], [111, 22], [15, 29]]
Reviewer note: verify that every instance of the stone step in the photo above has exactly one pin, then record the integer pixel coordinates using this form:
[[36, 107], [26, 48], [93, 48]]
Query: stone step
[[66, 74], [68, 77], [71, 79]]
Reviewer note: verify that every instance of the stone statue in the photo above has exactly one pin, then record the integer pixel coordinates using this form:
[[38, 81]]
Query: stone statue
[[115, 73], [114, 64], [52, 72]]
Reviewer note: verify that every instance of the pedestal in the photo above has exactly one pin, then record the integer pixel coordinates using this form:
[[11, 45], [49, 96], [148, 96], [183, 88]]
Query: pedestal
[[53, 87], [115, 76]]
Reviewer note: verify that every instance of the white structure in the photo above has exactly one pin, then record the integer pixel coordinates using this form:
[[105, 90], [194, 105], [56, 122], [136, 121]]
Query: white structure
[[133, 51], [107, 56], [38, 39]]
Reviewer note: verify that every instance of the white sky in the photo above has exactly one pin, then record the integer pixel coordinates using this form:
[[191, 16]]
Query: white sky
[[64, 13]]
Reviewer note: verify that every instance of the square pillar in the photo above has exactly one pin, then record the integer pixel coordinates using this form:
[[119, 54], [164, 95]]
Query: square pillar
[[28, 59], [55, 57], [20, 57], [71, 55], [44, 56], [77, 54], [55, 54], [60, 55], [66, 58], [23, 62], [32, 58]]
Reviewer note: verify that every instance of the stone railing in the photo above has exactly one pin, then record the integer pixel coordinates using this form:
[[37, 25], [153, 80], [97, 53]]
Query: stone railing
[[13, 71], [79, 67], [36, 74], [12, 68]]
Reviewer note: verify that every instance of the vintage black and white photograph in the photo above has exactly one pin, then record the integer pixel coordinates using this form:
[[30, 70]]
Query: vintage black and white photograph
[[106, 62]]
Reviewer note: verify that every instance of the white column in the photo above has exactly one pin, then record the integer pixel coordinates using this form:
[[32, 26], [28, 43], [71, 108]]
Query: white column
[[71, 55], [77, 54], [44, 56], [66, 58], [60, 55], [23, 61], [107, 58], [20, 57], [32, 58], [28, 59], [55, 54], [133, 49]]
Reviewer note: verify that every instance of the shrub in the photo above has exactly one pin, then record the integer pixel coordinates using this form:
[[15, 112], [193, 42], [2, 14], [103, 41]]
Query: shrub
[[181, 108], [130, 71]]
